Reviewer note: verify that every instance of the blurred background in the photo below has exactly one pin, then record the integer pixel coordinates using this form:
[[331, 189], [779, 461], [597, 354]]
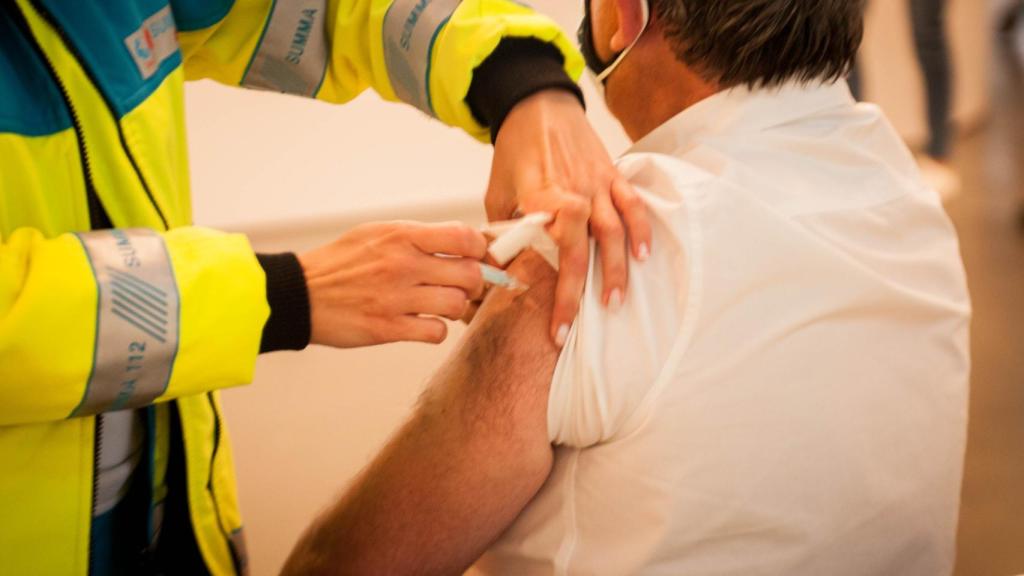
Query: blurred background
[[293, 174]]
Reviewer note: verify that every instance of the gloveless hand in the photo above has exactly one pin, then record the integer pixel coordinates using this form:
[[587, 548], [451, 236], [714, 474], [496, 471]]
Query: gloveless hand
[[548, 158], [390, 282]]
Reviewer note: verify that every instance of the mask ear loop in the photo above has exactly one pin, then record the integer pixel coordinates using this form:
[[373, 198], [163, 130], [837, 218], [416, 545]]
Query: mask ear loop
[[646, 17]]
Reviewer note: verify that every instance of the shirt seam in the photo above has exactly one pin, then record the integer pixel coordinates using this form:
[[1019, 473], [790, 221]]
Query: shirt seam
[[563, 560]]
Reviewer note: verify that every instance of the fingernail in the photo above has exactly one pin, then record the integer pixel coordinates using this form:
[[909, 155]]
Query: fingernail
[[561, 335], [643, 252], [615, 300]]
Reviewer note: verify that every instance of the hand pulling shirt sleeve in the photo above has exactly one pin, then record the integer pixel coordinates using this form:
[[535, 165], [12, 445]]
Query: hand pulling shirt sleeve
[[115, 319], [422, 52], [612, 360]]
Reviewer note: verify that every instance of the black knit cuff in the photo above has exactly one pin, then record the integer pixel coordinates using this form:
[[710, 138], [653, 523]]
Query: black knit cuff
[[288, 327], [518, 68]]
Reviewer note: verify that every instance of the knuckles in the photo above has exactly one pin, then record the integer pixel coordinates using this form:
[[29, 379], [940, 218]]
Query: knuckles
[[576, 207], [381, 331], [470, 241], [435, 332], [449, 302], [628, 202], [473, 279], [609, 228], [455, 307]]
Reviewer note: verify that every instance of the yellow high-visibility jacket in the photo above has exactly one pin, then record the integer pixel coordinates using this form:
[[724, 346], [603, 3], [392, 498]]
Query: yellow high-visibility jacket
[[156, 310]]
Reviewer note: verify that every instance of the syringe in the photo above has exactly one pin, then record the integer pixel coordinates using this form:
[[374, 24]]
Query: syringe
[[499, 277]]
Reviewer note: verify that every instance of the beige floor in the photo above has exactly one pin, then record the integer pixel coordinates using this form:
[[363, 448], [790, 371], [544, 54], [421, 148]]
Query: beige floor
[[991, 225]]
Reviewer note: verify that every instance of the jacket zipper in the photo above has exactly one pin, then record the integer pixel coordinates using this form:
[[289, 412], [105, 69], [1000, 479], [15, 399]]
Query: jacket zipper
[[98, 218], [209, 482], [97, 450], [213, 459], [62, 34]]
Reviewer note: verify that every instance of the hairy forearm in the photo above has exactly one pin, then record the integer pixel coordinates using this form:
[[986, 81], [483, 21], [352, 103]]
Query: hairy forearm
[[461, 469], [414, 513]]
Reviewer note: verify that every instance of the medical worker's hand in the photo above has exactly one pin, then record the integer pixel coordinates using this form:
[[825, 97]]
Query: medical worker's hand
[[548, 158], [387, 282]]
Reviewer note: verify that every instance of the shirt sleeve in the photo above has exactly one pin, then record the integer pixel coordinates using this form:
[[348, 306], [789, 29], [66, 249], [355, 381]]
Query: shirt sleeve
[[612, 360]]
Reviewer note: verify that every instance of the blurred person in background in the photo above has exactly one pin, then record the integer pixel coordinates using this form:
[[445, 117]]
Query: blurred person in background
[[120, 319], [1011, 16], [928, 24], [1009, 24]]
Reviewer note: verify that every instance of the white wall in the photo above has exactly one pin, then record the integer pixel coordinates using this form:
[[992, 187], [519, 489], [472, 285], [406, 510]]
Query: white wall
[[260, 159], [293, 173]]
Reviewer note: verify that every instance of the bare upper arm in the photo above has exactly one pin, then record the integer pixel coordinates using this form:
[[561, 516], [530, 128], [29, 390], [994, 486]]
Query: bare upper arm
[[471, 457], [506, 359]]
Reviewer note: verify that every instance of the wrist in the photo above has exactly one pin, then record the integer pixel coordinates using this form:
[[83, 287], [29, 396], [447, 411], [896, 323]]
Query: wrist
[[518, 69], [551, 98], [289, 326], [539, 110]]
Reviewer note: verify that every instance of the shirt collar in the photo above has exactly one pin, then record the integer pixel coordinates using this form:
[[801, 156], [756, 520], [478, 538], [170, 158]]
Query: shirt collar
[[742, 110]]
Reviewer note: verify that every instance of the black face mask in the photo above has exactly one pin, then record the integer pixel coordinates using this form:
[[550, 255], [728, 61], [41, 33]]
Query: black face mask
[[600, 68], [585, 35]]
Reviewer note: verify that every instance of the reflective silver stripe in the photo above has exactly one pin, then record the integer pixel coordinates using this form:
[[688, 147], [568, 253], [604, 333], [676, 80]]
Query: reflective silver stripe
[[136, 323], [292, 54], [410, 28]]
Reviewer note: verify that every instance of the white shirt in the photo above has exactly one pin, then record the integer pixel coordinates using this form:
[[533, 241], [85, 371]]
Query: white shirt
[[784, 391], [121, 450]]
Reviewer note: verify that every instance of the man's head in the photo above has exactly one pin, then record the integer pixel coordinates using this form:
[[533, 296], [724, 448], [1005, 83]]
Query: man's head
[[693, 48]]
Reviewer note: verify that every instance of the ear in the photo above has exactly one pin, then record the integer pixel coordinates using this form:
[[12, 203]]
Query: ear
[[631, 20]]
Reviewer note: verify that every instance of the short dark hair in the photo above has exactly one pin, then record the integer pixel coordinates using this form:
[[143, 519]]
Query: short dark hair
[[763, 42]]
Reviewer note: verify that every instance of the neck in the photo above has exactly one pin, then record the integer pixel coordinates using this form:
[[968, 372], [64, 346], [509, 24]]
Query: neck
[[651, 86]]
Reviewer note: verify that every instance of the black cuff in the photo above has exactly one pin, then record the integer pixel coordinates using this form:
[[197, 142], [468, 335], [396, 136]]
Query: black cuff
[[518, 68], [288, 327]]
